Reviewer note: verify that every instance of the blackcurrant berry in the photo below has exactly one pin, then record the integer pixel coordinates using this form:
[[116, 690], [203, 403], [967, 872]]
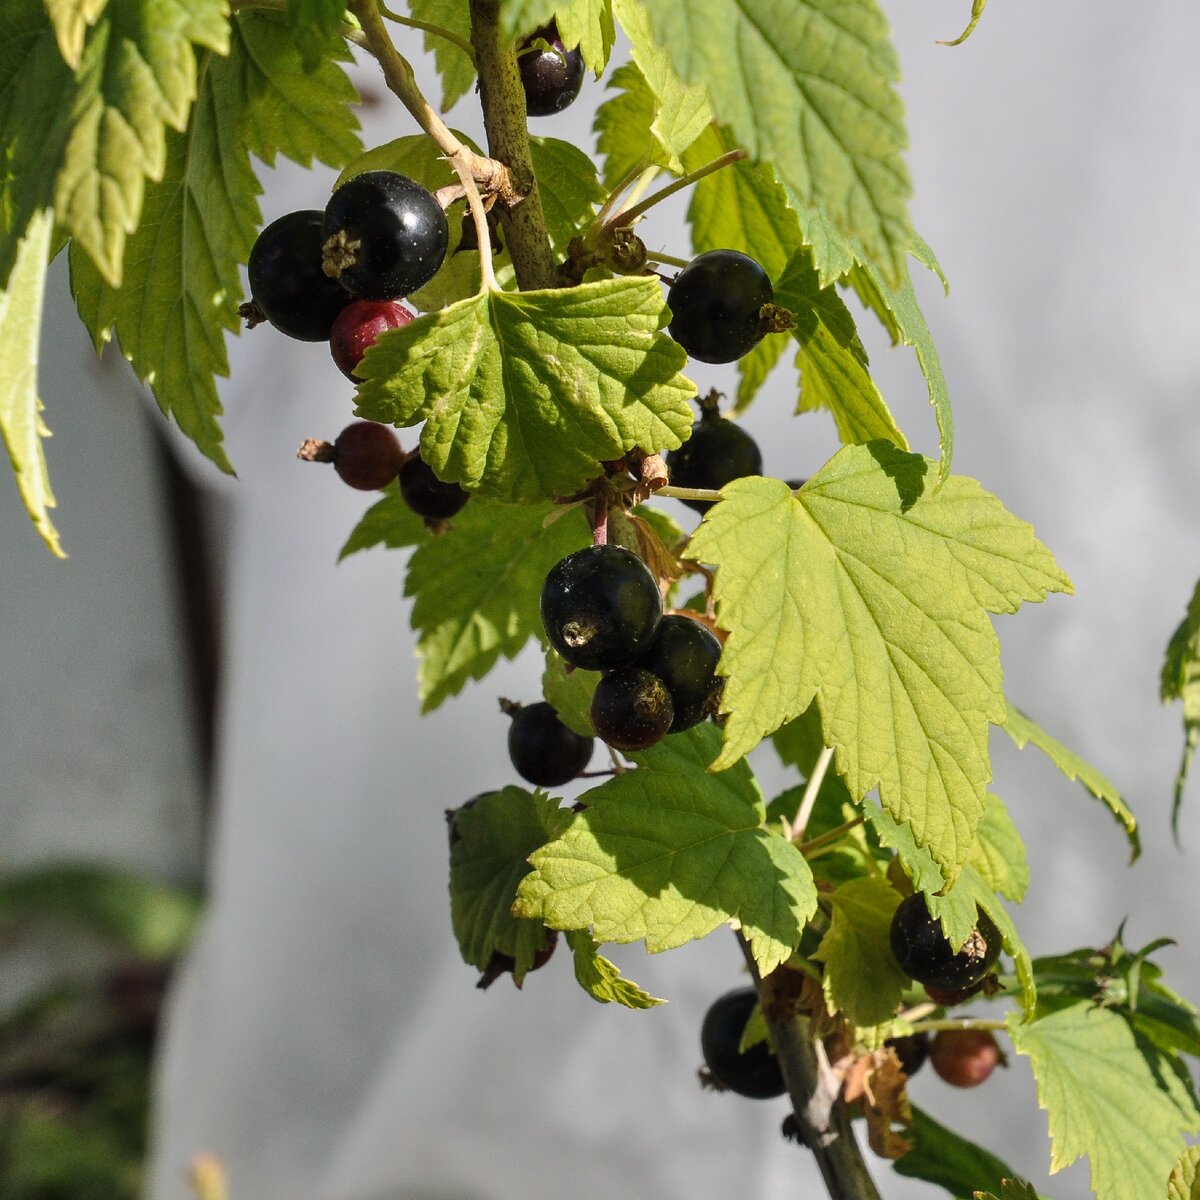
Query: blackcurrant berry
[[756, 1072], [949, 997], [358, 325], [367, 455], [504, 964], [551, 78], [385, 235], [912, 1050], [287, 282], [426, 494], [715, 304], [631, 709], [717, 452], [965, 1058], [684, 656], [600, 607], [924, 953], [543, 750]]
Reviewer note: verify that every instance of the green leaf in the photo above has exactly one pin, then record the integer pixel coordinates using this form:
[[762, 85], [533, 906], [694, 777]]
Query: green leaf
[[525, 394], [999, 854], [181, 288], [833, 365], [144, 916], [977, 8], [601, 979], [942, 1157], [389, 523], [316, 28], [137, 78], [1024, 731], [667, 853], [867, 592], [622, 126], [491, 841], [21, 424], [1184, 1183], [476, 590], [587, 24], [1110, 1095], [810, 90], [453, 64], [71, 20], [1181, 681], [415, 155], [570, 694], [569, 188], [861, 975]]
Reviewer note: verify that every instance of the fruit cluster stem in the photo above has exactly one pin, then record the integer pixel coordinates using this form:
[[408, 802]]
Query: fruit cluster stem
[[822, 1120], [503, 100]]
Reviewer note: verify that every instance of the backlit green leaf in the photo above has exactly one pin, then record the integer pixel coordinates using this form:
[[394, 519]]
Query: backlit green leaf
[[1181, 681], [587, 24], [622, 126], [389, 523], [1184, 1183], [71, 20], [601, 979], [568, 186], [999, 854], [316, 28], [868, 592], [668, 853], [569, 693], [453, 63], [524, 395]]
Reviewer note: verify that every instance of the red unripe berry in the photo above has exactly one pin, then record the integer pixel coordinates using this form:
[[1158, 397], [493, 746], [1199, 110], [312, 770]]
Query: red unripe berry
[[965, 1057], [358, 325], [367, 455]]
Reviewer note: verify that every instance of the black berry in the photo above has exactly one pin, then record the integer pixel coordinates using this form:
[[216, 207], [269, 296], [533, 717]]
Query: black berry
[[756, 1072], [426, 494], [358, 325], [631, 709], [684, 656], [287, 282], [385, 235], [504, 964], [924, 953], [965, 1058], [367, 455], [912, 1050], [543, 750], [551, 78], [715, 304], [600, 607], [717, 452]]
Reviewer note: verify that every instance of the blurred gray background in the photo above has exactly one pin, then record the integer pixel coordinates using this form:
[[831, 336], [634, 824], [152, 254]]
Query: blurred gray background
[[325, 1040]]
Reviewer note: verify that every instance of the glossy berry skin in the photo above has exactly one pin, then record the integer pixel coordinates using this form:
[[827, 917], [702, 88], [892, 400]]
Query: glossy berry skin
[[426, 494], [718, 452], [544, 751], [684, 656], [551, 78], [923, 952], [385, 235], [287, 282], [715, 303], [965, 1058], [912, 1050], [358, 325], [631, 709], [600, 607], [367, 455], [755, 1073]]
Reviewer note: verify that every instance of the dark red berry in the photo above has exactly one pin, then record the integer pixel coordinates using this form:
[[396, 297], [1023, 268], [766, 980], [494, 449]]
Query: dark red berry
[[965, 1058], [756, 1072], [551, 78], [358, 325], [600, 607], [949, 997], [631, 709], [543, 750], [924, 953], [367, 455], [504, 964], [718, 451], [715, 304], [287, 282], [912, 1050], [385, 235], [426, 494], [684, 655]]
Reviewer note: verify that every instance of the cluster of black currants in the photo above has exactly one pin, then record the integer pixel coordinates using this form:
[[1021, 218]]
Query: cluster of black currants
[[602, 611]]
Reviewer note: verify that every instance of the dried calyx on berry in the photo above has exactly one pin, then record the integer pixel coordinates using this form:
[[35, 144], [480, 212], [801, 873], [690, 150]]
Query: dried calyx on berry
[[551, 75], [385, 235], [925, 954], [544, 751], [717, 306], [755, 1072], [366, 455], [717, 452]]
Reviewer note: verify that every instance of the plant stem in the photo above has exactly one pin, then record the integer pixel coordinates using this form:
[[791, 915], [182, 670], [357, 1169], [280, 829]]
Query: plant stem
[[503, 101], [628, 215], [426, 27], [682, 493], [668, 260], [956, 1023], [821, 1118], [809, 799], [829, 836]]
